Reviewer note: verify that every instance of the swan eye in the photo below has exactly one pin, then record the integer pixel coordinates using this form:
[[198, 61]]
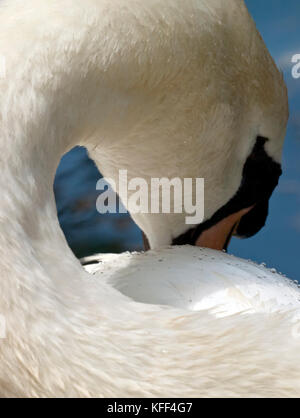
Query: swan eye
[[260, 177]]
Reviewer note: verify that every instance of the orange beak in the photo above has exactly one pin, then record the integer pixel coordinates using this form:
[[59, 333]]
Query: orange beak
[[219, 235]]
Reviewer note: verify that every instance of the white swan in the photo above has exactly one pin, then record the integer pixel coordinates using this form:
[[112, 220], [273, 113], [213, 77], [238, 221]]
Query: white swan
[[162, 89]]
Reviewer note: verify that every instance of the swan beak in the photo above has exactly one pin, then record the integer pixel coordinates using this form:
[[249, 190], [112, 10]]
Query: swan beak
[[219, 235]]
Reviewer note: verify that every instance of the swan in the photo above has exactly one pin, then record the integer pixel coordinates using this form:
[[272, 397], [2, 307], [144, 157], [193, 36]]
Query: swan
[[160, 89]]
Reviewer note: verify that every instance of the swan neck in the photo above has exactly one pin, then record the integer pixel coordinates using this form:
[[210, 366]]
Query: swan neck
[[32, 242]]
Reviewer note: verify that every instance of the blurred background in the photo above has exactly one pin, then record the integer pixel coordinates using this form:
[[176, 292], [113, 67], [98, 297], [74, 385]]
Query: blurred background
[[277, 245]]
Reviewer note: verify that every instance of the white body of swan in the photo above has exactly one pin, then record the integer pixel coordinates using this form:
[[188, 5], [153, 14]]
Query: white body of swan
[[223, 284], [160, 88]]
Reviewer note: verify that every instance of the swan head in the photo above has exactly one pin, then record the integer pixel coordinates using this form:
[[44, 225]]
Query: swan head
[[246, 212], [205, 102]]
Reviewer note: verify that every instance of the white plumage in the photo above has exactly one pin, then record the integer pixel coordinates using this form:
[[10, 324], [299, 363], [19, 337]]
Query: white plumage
[[161, 88], [216, 281]]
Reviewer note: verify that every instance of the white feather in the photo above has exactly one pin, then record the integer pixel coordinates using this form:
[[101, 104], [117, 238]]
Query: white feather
[[149, 86]]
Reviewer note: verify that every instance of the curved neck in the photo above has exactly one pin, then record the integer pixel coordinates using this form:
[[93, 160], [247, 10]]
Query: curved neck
[[32, 241], [41, 120], [134, 106]]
